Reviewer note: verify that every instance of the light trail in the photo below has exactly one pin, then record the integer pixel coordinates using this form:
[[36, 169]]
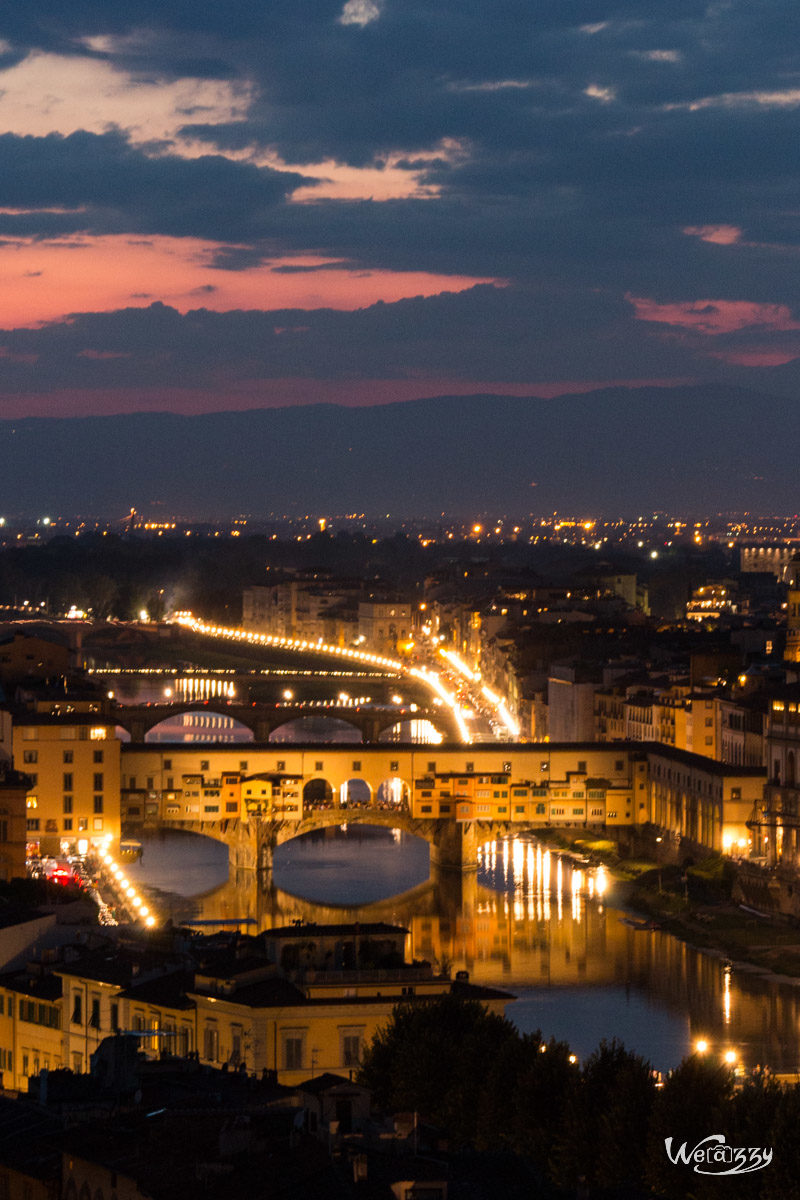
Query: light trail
[[430, 678]]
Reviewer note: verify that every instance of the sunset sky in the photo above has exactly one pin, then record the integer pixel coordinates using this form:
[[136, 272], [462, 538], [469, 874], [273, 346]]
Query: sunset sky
[[223, 206]]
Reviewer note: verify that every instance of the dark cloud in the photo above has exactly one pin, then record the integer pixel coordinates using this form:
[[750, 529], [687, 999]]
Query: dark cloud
[[484, 334], [570, 146], [99, 183]]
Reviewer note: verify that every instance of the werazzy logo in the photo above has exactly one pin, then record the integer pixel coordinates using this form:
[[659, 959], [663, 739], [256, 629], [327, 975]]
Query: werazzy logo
[[712, 1156]]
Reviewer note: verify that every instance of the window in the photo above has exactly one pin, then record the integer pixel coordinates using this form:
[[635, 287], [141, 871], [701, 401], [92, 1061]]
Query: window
[[67, 824], [97, 824], [237, 1040], [98, 781], [211, 1043], [426, 808], [280, 765], [148, 784], [581, 766], [357, 764], [98, 804], [319, 766], [167, 764], [83, 824], [507, 768], [114, 1017], [204, 764], [351, 1048], [394, 765], [67, 756], [34, 778], [30, 756], [431, 768], [293, 1051], [33, 824], [97, 756], [543, 766], [619, 764], [67, 781], [94, 1016], [469, 768], [77, 1008], [68, 804]]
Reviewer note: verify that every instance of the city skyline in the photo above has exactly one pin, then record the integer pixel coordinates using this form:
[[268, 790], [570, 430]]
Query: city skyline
[[370, 202]]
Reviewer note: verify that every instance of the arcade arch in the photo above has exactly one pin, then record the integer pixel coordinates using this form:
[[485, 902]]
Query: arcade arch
[[317, 793], [393, 794], [355, 793]]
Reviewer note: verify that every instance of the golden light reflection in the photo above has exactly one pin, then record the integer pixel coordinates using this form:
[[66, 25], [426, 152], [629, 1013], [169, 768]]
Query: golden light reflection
[[726, 995]]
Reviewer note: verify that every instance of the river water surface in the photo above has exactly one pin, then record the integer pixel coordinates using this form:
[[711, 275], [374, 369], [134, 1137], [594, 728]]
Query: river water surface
[[556, 937]]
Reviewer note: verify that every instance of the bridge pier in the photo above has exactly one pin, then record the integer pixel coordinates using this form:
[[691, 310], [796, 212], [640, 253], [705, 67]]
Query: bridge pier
[[262, 728], [455, 846]]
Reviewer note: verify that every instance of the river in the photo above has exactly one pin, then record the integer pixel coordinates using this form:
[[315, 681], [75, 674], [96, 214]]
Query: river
[[576, 962]]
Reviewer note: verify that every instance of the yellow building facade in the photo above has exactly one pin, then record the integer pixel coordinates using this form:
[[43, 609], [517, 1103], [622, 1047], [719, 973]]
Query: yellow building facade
[[592, 785], [73, 761]]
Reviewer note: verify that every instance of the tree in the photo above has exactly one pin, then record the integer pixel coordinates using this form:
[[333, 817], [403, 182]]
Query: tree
[[603, 1136], [693, 1104], [432, 1058]]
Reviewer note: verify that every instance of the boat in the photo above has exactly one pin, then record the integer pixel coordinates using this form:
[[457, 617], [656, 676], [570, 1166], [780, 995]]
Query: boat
[[130, 849]]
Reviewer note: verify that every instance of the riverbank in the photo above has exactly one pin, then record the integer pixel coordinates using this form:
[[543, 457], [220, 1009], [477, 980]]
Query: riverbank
[[696, 905]]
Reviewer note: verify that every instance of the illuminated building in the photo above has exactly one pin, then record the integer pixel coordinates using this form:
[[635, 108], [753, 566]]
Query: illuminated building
[[313, 1010], [491, 787], [385, 625], [73, 760], [792, 651]]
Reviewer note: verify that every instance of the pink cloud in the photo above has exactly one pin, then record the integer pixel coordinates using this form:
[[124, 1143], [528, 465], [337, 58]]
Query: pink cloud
[[718, 235], [713, 317], [48, 279], [756, 358]]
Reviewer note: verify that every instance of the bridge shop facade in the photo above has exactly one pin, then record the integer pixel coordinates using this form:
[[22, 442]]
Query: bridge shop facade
[[254, 796]]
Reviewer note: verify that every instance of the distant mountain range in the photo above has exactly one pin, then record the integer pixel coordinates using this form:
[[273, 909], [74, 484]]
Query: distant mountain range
[[612, 451]]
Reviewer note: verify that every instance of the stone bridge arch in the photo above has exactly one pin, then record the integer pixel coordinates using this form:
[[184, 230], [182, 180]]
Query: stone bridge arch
[[251, 842], [342, 722], [262, 720], [138, 720]]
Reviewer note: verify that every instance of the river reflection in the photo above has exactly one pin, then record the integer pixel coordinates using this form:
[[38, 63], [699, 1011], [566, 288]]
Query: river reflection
[[551, 932]]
